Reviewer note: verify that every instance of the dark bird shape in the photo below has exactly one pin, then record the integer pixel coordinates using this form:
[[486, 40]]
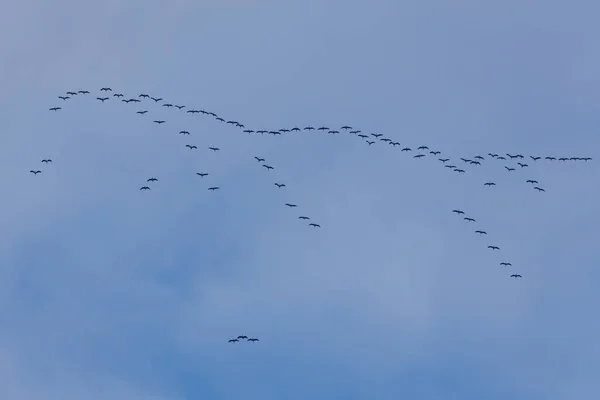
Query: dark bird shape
[[102, 99], [248, 131], [520, 156], [509, 169], [422, 148], [220, 119], [462, 171], [55, 108], [532, 181], [550, 158], [214, 148], [184, 133], [406, 149], [309, 128], [190, 146], [494, 247], [516, 276], [539, 189], [450, 166], [458, 212], [363, 136], [291, 205], [501, 158], [475, 163], [144, 96], [370, 143], [506, 264], [346, 127], [563, 159], [126, 100], [156, 99], [144, 188], [489, 184], [511, 156], [314, 225], [385, 140], [323, 128], [63, 97], [435, 153], [481, 232], [167, 105], [267, 166], [279, 185], [35, 172], [202, 174], [233, 340], [419, 156], [72, 93], [106, 89], [522, 165], [444, 159], [84, 92], [303, 217], [295, 129], [535, 158], [259, 159], [118, 95], [142, 112], [242, 337], [479, 158], [213, 188], [179, 107], [376, 135], [469, 219], [47, 160], [160, 121], [134, 100], [253, 340], [493, 155], [152, 180]]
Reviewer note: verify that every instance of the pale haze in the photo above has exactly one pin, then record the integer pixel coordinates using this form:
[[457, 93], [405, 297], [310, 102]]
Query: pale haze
[[109, 292]]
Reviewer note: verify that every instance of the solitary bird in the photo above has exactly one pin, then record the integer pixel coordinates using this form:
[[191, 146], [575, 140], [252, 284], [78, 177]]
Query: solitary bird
[[142, 112], [489, 184], [35, 172], [152, 180], [47, 161], [506, 264], [159, 121], [55, 108], [144, 188], [213, 188], [202, 174], [516, 276], [279, 185], [494, 247], [291, 205], [184, 133], [481, 232]]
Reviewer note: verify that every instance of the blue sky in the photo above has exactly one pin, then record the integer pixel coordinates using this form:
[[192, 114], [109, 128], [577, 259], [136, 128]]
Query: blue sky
[[109, 292]]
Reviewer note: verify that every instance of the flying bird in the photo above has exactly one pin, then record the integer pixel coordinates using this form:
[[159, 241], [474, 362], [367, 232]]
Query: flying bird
[[489, 184], [35, 172], [419, 156], [469, 219], [481, 232], [506, 264], [516, 276], [509, 169], [63, 97], [152, 180], [314, 225], [202, 174], [142, 112], [214, 148], [144, 188], [458, 212], [253, 340], [55, 108], [47, 161], [291, 205], [279, 185], [259, 159], [539, 189], [102, 99], [106, 89], [303, 217], [233, 340], [159, 121], [156, 99], [531, 181], [190, 146], [213, 188], [494, 247], [267, 166], [370, 143], [242, 337], [522, 165]]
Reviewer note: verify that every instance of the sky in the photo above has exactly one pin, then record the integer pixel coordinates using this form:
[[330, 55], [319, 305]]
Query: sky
[[109, 292]]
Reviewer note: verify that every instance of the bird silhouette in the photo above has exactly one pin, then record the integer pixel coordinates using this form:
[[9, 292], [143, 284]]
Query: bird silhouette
[[481, 232], [102, 99], [419, 156], [106, 89], [142, 112], [314, 225], [63, 97], [506, 264], [509, 169], [303, 217], [516, 276], [156, 99], [214, 148], [214, 188], [267, 166], [253, 340], [458, 212], [291, 205], [489, 184], [190, 146], [469, 219], [152, 180], [279, 185], [144, 188], [259, 159], [242, 337], [202, 174], [539, 189], [46, 161], [35, 172], [233, 340], [159, 121], [532, 181], [494, 247]]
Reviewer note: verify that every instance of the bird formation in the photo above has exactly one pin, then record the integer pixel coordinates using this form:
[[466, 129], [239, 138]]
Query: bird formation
[[423, 151], [243, 337]]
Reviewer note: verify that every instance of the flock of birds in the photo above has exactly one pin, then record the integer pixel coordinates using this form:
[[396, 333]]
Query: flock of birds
[[370, 139], [243, 337]]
